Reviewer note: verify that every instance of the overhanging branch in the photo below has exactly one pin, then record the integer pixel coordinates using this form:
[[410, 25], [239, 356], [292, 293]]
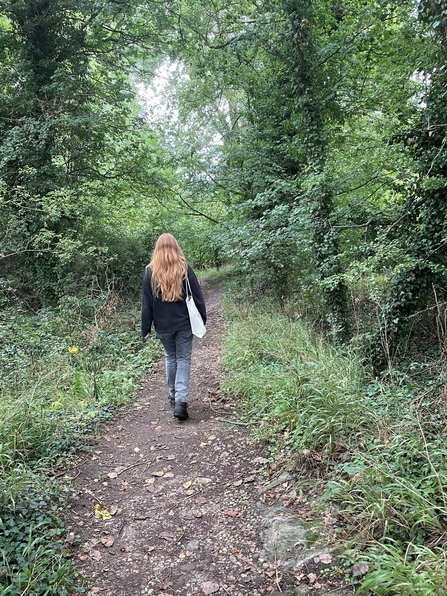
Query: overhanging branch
[[196, 211]]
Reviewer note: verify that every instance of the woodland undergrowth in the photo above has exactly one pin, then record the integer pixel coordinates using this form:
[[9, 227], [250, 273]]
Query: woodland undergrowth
[[63, 372], [379, 440]]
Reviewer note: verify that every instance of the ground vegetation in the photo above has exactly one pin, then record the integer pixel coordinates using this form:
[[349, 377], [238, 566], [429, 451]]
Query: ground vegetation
[[302, 141]]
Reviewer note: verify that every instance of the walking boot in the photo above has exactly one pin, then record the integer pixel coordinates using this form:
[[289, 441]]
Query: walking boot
[[181, 410]]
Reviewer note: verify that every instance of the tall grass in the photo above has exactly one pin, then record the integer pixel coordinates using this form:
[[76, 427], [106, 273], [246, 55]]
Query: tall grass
[[385, 441], [290, 379]]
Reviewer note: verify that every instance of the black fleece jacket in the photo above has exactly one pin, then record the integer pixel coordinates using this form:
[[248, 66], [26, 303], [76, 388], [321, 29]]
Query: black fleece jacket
[[168, 317]]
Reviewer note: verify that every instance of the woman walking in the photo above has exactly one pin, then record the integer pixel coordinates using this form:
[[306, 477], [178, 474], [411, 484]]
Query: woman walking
[[163, 304]]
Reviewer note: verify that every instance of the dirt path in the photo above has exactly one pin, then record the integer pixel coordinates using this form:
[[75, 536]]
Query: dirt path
[[183, 497]]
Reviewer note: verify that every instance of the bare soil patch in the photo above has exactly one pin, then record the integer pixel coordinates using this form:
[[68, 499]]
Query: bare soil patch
[[168, 507]]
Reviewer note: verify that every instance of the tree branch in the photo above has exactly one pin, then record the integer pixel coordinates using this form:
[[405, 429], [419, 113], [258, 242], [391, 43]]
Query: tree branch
[[196, 212], [345, 192], [353, 226]]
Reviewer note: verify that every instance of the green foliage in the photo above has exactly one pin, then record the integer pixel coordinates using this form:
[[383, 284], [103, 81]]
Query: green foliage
[[34, 559], [51, 397], [74, 152], [382, 442], [420, 571], [291, 381], [63, 372], [331, 128]]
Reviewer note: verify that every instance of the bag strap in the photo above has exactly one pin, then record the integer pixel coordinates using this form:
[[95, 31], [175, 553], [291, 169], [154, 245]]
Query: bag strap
[[188, 287]]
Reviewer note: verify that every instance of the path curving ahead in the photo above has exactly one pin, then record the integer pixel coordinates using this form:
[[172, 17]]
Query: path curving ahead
[[178, 505]]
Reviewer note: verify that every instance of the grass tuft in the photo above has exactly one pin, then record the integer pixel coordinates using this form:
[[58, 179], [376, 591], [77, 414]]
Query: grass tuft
[[289, 379]]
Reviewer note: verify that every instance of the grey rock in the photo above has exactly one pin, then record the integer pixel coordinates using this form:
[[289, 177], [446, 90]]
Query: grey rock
[[193, 545], [285, 477]]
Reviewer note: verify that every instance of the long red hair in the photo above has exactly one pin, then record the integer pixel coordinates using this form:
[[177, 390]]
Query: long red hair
[[169, 268]]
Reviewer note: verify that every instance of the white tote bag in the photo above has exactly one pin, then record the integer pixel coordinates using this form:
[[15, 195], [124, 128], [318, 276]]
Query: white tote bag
[[197, 325]]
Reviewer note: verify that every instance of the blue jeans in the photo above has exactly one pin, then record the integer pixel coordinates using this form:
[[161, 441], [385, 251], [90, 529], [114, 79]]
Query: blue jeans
[[177, 348]]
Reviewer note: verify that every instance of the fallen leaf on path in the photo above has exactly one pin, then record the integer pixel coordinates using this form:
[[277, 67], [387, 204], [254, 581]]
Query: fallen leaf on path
[[232, 512], [187, 484], [95, 555], [312, 578], [201, 481], [170, 457], [137, 450], [168, 475], [102, 511], [107, 541], [237, 483], [124, 485], [159, 473], [210, 587], [249, 479], [149, 480], [326, 558], [360, 569], [167, 535], [112, 475], [203, 444], [114, 510], [190, 492]]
